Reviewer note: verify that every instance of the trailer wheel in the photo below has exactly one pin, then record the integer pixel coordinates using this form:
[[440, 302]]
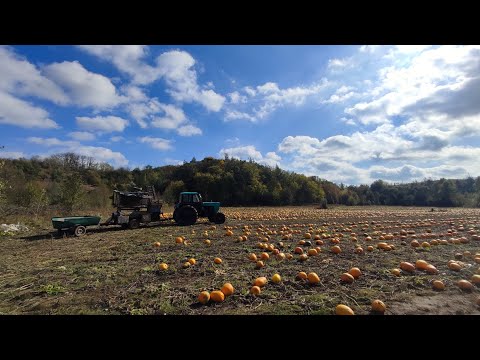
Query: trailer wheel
[[133, 224], [80, 230]]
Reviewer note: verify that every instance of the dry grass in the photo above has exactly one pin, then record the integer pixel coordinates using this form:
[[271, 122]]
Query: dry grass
[[114, 271]]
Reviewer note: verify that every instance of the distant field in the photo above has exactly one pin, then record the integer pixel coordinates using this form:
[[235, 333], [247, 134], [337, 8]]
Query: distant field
[[114, 271]]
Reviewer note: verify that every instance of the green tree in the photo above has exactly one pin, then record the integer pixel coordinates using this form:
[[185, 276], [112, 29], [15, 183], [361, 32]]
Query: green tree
[[71, 193], [172, 191]]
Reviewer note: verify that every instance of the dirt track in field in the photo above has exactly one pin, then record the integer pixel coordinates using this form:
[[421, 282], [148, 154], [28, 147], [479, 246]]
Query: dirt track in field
[[113, 271]]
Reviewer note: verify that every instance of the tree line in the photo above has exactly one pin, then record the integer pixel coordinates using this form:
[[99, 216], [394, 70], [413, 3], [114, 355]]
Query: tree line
[[71, 182]]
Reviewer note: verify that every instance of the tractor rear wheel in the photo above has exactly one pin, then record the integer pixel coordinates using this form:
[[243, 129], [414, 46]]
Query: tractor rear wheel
[[187, 215], [133, 224], [219, 218]]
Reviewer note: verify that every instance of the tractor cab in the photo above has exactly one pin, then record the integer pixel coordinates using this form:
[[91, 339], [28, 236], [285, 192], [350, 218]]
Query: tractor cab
[[190, 207]]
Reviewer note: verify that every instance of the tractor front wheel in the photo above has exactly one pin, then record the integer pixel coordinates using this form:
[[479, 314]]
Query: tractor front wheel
[[219, 218]]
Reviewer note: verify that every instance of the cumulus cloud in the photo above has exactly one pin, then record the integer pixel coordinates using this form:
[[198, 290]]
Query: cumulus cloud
[[14, 111], [172, 119], [82, 136], [175, 67], [83, 87], [254, 104], [100, 154], [20, 77], [181, 78], [156, 143], [189, 130], [250, 152], [102, 123]]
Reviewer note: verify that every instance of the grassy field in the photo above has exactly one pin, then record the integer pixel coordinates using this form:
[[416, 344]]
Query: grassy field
[[114, 271]]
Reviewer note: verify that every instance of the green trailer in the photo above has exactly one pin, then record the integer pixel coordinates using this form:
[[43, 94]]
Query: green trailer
[[75, 224]]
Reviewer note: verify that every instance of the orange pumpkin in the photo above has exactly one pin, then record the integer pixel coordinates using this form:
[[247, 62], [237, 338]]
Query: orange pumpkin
[[264, 256], [259, 264], [217, 260], [303, 257], [186, 264], [156, 244], [312, 252], [395, 272], [408, 267], [204, 297], [255, 290], [260, 281], [465, 285], [163, 266], [217, 296], [355, 272], [343, 310], [421, 264], [431, 270], [298, 250], [252, 257], [227, 289], [438, 285], [369, 248], [313, 278], [302, 276], [378, 306], [454, 266], [192, 261], [347, 278], [475, 279], [208, 242], [179, 239], [336, 249]]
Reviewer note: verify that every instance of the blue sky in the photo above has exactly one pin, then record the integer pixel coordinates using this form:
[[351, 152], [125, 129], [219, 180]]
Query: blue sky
[[348, 114]]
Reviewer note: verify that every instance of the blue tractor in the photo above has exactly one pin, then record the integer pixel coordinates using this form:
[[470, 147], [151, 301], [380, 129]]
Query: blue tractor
[[190, 207]]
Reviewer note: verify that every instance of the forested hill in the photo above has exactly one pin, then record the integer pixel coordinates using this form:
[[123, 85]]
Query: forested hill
[[73, 181]]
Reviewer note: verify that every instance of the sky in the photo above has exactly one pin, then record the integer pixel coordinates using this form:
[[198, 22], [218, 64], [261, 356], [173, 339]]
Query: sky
[[349, 114]]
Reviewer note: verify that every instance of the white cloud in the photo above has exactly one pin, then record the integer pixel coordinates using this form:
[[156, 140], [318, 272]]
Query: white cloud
[[128, 59], [102, 123], [82, 136], [428, 79], [117, 138], [83, 87], [256, 104], [172, 119], [156, 143], [98, 153], [189, 130], [369, 48], [21, 113], [250, 152], [175, 67], [20, 77], [11, 154], [49, 142], [236, 98]]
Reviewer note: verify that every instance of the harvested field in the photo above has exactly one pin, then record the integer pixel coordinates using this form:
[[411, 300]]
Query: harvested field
[[115, 271]]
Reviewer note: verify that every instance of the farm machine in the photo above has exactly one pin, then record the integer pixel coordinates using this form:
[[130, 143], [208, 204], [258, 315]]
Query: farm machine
[[139, 207]]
